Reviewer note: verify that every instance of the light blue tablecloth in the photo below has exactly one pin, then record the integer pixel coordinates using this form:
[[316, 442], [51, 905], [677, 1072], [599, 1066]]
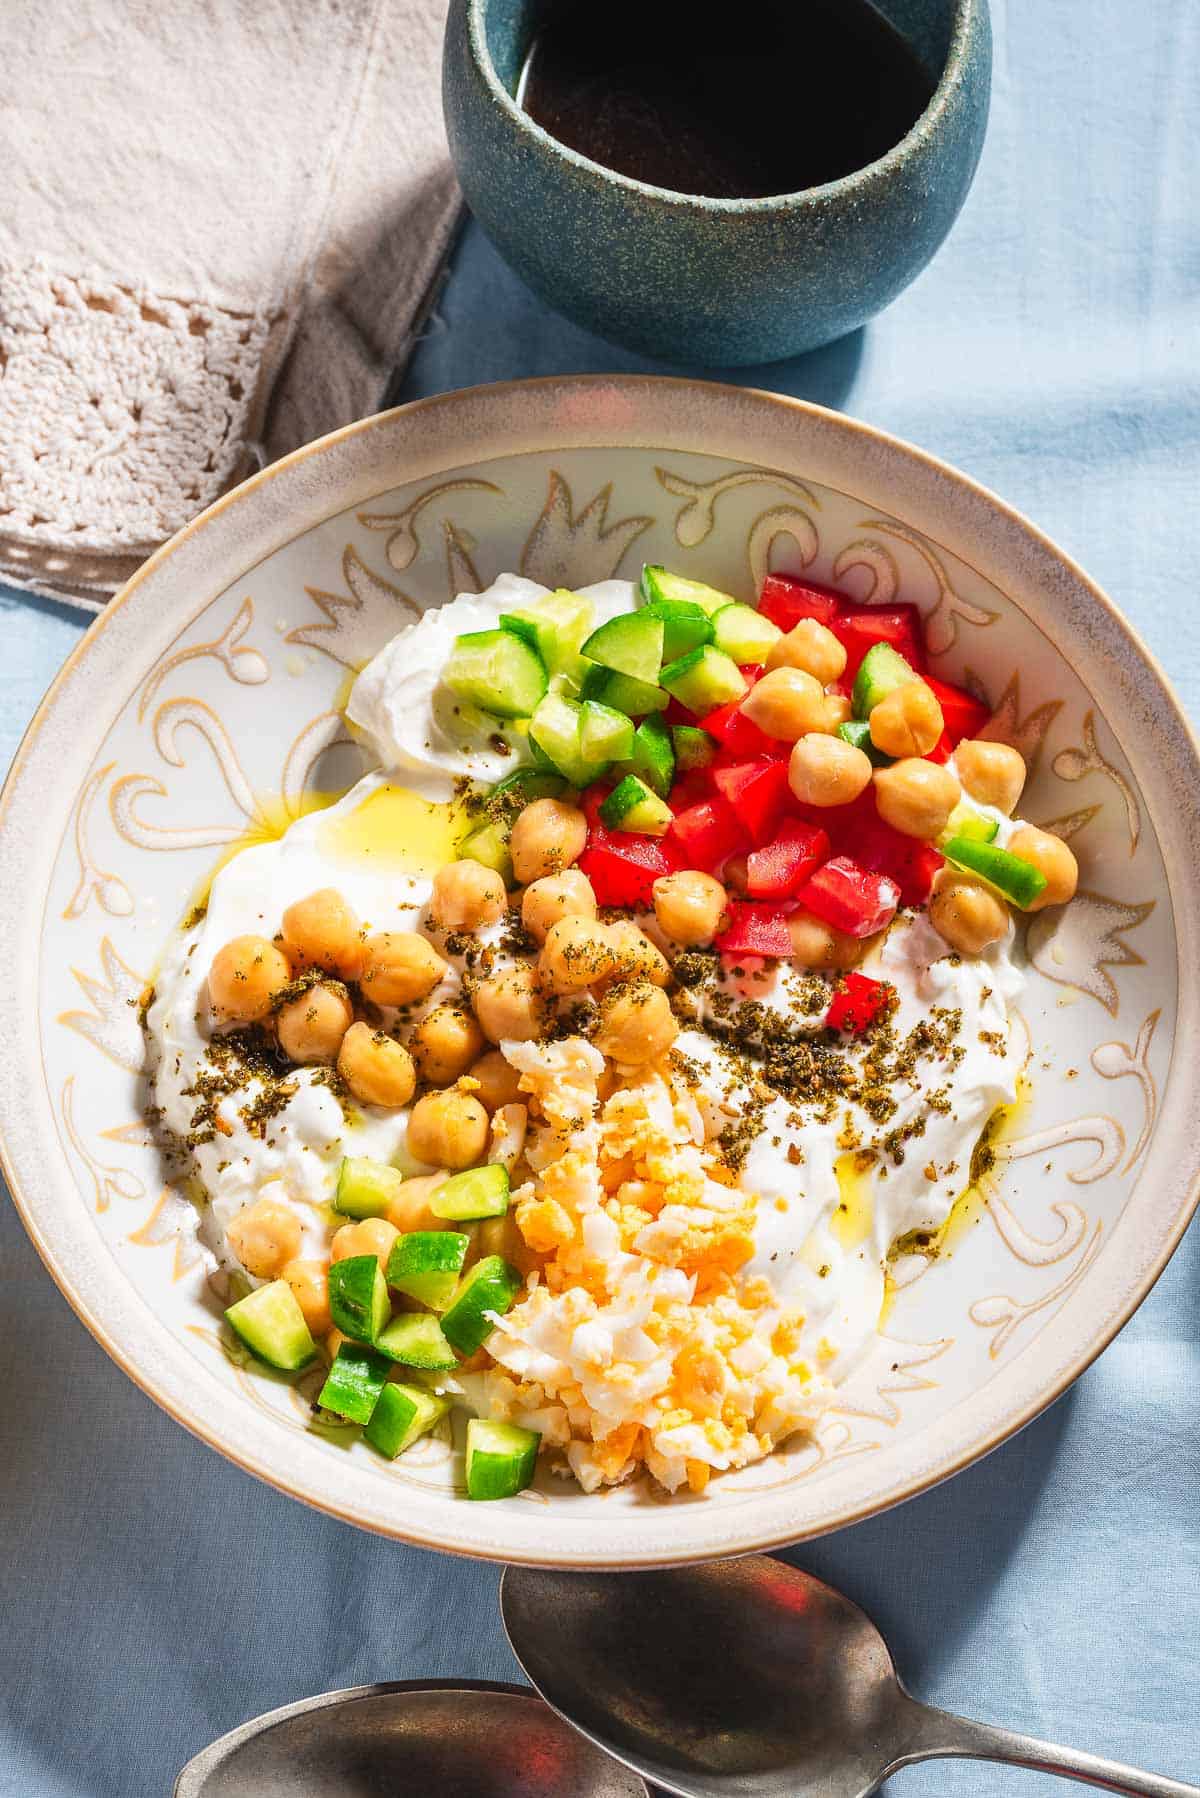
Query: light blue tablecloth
[[151, 1596]]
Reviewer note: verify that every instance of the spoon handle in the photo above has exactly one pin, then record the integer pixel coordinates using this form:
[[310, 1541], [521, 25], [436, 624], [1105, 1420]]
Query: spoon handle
[[941, 1734]]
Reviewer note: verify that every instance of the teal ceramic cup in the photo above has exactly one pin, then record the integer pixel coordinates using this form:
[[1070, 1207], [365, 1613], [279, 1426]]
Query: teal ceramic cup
[[712, 280]]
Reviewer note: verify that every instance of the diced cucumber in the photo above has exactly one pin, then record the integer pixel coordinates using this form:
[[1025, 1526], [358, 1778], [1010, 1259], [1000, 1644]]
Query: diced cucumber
[[354, 1383], [415, 1339], [555, 627], [624, 694], [631, 643], [401, 1415], [358, 1297], [704, 680], [858, 732], [1015, 880], [491, 1285], [965, 821], [426, 1265], [365, 1188], [479, 1192], [501, 1458], [555, 727], [271, 1324], [632, 806], [658, 583], [496, 671], [880, 672], [523, 785], [744, 633], [685, 625], [652, 757], [693, 747], [605, 735], [488, 844]]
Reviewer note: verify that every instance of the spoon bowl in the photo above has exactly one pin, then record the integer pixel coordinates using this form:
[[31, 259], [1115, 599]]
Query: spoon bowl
[[462, 1739], [748, 1679]]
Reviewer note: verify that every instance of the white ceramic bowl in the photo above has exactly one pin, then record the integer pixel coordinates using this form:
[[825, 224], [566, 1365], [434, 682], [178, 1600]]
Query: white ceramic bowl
[[198, 708]]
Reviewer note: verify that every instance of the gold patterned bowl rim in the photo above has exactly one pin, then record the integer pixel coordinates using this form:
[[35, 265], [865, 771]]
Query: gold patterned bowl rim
[[430, 437]]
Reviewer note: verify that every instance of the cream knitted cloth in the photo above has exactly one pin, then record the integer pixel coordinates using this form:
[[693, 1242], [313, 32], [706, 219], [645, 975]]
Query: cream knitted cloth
[[221, 223]]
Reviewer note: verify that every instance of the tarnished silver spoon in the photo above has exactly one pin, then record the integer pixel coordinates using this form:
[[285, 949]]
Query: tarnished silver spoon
[[447, 1740], [750, 1678]]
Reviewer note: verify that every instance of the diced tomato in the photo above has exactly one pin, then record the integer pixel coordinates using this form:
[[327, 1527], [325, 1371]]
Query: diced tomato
[[963, 714], [850, 897], [755, 930], [690, 789], [781, 867], [858, 831], [858, 627], [677, 713], [705, 836], [942, 750], [857, 1003], [623, 866], [786, 600], [730, 726], [914, 873], [759, 793], [591, 799]]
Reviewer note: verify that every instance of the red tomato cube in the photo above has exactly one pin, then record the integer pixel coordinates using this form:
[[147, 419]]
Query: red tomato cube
[[755, 930], [759, 793], [850, 898], [623, 866], [780, 868], [705, 836], [963, 714], [858, 627], [856, 1004], [786, 600]]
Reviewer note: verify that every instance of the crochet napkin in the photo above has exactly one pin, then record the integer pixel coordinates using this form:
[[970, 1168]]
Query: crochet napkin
[[222, 222]]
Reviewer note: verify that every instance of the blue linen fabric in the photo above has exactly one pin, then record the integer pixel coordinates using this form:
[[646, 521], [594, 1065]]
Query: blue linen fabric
[[152, 1595]]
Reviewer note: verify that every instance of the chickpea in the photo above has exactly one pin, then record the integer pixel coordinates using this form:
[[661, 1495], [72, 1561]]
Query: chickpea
[[812, 647], [448, 1129], [907, 721], [992, 773], [838, 710], [400, 968], [466, 896], [377, 1069], [966, 912], [637, 958], [916, 797], [409, 1210], [787, 703], [264, 1236], [371, 1236], [690, 907], [309, 1281], [510, 1005], [323, 931], [444, 1044], [816, 944], [502, 1236], [555, 896], [1051, 855], [636, 1023], [546, 838], [577, 952], [313, 1027], [828, 771], [497, 1081], [245, 977]]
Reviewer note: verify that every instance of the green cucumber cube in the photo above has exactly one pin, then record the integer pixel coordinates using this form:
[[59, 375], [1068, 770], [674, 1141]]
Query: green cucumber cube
[[354, 1383], [415, 1338], [501, 1458], [1015, 880], [358, 1297], [744, 633], [685, 625], [426, 1264], [880, 672], [605, 735], [271, 1324], [624, 694], [658, 584], [555, 728], [496, 671], [365, 1188], [858, 732], [631, 643], [704, 680], [488, 845], [479, 1192], [401, 1415], [490, 1286], [632, 806], [555, 627], [524, 785], [652, 758], [965, 821], [693, 747]]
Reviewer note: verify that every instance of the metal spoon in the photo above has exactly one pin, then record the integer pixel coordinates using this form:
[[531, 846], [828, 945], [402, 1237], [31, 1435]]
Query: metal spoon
[[450, 1740], [750, 1678]]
